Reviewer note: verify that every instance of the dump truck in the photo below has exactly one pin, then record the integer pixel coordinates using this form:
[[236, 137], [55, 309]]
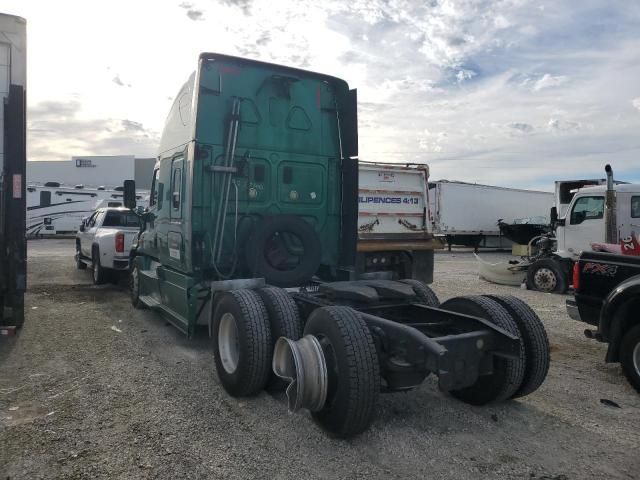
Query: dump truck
[[252, 233], [394, 232], [13, 162]]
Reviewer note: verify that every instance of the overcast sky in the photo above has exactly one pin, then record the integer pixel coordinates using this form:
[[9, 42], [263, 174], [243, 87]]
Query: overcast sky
[[505, 92]]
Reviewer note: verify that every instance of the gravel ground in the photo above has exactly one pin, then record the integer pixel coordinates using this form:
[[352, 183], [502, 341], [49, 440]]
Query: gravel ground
[[92, 388]]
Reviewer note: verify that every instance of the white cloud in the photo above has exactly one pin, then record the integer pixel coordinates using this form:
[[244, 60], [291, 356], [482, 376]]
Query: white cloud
[[494, 91], [549, 81]]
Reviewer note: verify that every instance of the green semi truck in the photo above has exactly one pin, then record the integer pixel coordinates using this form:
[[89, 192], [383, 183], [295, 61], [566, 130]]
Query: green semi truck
[[251, 232]]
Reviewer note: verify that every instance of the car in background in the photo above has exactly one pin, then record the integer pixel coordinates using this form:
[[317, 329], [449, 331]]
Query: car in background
[[104, 241]]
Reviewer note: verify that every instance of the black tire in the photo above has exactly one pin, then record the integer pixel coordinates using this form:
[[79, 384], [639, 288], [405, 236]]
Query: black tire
[[354, 372], [134, 286], [257, 253], [99, 274], [629, 347], [80, 265], [424, 294], [508, 373], [284, 319], [547, 275], [253, 342], [536, 343]]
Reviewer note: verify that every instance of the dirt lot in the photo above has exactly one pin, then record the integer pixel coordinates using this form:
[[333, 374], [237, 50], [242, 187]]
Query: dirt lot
[[92, 388]]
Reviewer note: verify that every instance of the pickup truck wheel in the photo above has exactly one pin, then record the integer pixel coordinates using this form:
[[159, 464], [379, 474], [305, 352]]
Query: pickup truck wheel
[[352, 367], [242, 345], [508, 373], [99, 273], [536, 342], [546, 275], [80, 265], [424, 294], [134, 284], [630, 356], [284, 319]]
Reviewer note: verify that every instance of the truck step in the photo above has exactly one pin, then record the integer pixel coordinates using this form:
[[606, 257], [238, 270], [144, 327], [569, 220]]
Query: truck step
[[149, 274], [149, 301]]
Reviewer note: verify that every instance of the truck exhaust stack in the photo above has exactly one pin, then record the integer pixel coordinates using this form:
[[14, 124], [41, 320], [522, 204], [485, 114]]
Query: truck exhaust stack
[[611, 229]]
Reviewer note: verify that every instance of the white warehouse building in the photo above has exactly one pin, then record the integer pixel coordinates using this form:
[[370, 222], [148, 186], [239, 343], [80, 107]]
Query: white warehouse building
[[93, 171]]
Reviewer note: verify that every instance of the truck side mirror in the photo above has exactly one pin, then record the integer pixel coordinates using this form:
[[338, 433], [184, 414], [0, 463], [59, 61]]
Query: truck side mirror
[[129, 194], [553, 215], [82, 226], [349, 124]]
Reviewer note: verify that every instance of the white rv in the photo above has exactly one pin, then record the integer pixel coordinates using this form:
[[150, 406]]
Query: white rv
[[55, 208]]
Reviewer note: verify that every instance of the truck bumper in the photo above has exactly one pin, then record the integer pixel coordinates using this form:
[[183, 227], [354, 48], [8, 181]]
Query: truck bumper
[[572, 310], [121, 263]]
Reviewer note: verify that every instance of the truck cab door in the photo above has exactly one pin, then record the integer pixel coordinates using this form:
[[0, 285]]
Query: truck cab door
[[176, 204], [584, 224], [148, 238], [89, 232]]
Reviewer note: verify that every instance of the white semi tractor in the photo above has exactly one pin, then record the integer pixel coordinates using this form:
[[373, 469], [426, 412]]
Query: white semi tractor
[[596, 213]]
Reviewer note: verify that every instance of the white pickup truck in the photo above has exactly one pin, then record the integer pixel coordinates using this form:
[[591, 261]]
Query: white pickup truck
[[104, 240]]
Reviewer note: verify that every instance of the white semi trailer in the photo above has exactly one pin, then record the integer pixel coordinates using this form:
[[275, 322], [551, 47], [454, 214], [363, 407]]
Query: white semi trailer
[[467, 214]]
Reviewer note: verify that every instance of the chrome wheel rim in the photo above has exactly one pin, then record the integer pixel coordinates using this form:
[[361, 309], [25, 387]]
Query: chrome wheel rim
[[228, 343], [636, 358], [545, 279]]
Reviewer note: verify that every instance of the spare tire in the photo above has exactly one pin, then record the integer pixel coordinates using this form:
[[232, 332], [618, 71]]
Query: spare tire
[[284, 249]]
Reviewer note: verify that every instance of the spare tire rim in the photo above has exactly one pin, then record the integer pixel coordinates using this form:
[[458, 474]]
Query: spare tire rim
[[228, 342], [636, 358], [545, 279]]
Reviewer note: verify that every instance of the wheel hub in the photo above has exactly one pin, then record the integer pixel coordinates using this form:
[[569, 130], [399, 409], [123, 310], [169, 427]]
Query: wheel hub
[[636, 358], [302, 365], [228, 343], [545, 279]]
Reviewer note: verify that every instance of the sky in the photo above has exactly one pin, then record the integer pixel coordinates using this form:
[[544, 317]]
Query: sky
[[505, 92]]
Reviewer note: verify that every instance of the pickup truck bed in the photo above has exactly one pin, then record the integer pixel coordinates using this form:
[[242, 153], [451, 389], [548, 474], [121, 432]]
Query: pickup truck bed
[[607, 296]]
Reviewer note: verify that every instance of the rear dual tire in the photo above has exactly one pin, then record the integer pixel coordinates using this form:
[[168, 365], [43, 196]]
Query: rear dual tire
[[247, 323], [242, 343], [534, 339], [508, 373], [512, 377], [353, 370], [424, 294]]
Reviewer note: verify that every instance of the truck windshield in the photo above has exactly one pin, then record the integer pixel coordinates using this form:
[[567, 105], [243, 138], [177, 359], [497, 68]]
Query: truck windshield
[[121, 219]]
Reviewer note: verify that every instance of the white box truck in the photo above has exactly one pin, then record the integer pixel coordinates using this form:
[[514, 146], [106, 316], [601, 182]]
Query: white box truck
[[467, 214]]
